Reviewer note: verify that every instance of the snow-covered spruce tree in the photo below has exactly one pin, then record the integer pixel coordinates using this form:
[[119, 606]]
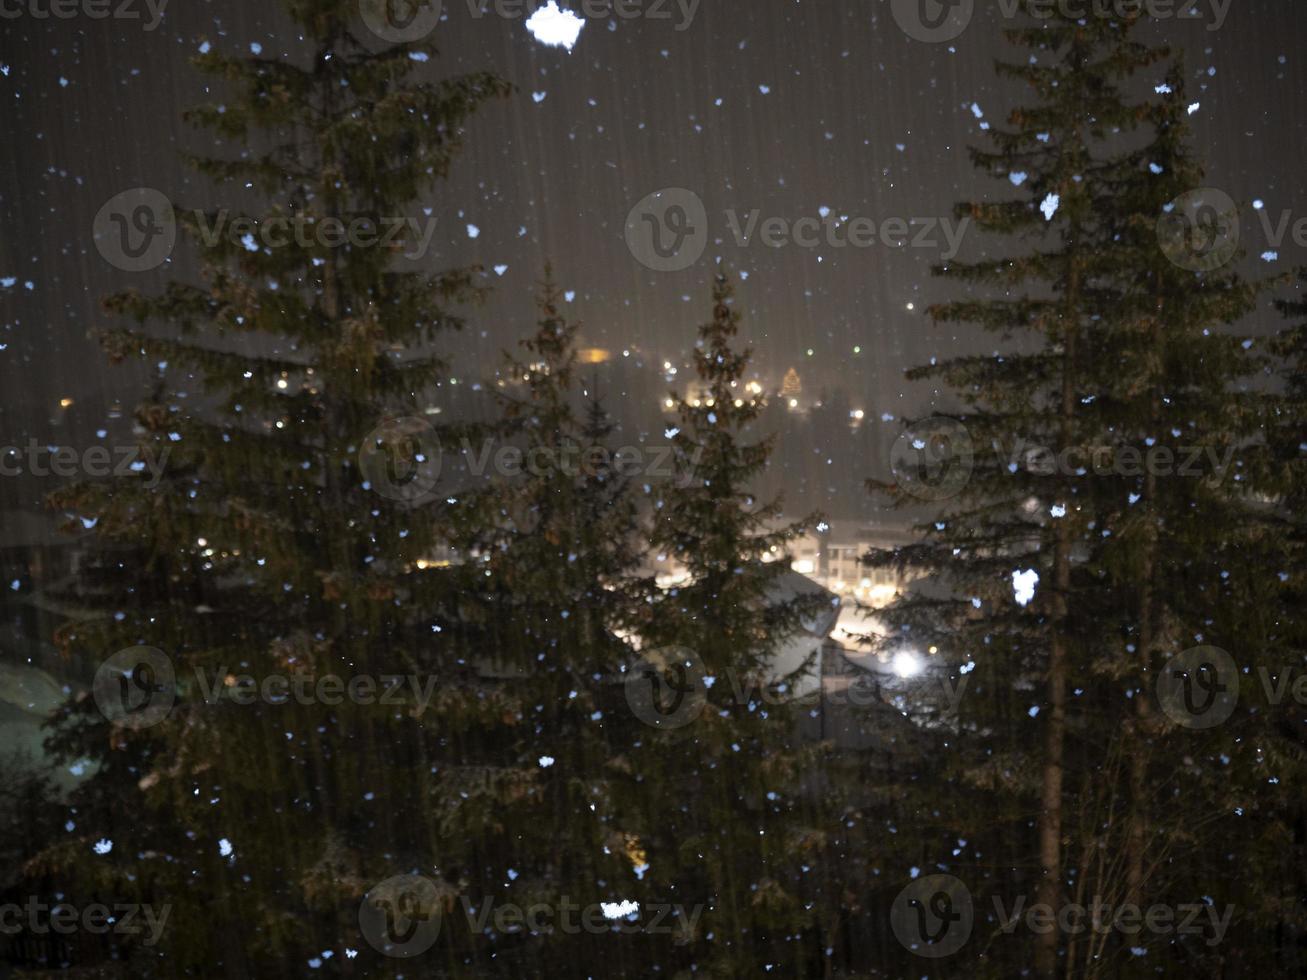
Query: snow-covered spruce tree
[[1043, 291], [533, 795], [1291, 449], [264, 551], [1181, 545], [733, 831], [1251, 766]]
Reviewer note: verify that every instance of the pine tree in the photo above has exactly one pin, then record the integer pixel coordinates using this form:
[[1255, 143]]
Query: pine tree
[[735, 832], [1137, 558], [535, 796], [1009, 519], [1174, 550], [268, 548]]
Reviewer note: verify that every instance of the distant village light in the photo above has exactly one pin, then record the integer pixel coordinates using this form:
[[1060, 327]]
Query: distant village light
[[907, 664]]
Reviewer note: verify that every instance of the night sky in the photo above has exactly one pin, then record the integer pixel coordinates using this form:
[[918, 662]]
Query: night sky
[[786, 107]]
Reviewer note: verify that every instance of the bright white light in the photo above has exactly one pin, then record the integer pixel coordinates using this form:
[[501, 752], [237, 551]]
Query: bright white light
[[907, 664], [803, 566], [554, 27], [1023, 585], [619, 910]]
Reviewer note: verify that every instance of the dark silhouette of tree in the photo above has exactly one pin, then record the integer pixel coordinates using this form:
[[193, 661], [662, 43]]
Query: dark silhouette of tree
[[736, 833], [283, 539]]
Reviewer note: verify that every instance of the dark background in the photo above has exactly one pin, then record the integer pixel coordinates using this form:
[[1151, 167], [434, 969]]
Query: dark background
[[858, 118]]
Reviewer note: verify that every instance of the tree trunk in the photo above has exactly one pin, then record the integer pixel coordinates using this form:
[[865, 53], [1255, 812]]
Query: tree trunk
[[1049, 889]]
